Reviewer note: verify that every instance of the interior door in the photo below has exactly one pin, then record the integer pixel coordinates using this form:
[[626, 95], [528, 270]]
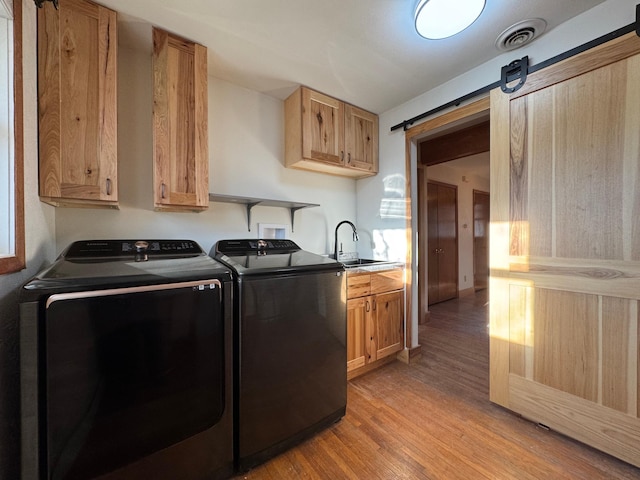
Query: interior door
[[442, 242], [565, 248], [480, 240]]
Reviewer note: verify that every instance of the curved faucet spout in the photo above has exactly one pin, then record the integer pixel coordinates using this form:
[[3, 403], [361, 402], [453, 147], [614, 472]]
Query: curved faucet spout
[[335, 244]]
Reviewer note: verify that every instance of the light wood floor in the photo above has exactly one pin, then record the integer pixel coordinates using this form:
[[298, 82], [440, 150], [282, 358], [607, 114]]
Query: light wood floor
[[433, 420]]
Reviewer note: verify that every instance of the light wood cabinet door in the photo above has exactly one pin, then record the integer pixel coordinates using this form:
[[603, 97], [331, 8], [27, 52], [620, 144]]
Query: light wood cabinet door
[[180, 119], [77, 104], [388, 324], [358, 310], [565, 248], [361, 139], [322, 128]]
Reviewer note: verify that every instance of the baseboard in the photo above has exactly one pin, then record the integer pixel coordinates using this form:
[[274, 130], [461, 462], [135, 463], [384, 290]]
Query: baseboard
[[466, 292], [370, 366], [410, 355]]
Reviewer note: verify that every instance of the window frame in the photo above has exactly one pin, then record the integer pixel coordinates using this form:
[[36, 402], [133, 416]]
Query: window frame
[[16, 261]]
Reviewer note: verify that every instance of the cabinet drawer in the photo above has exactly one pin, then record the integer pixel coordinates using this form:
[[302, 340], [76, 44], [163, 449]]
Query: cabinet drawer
[[387, 280], [358, 284]]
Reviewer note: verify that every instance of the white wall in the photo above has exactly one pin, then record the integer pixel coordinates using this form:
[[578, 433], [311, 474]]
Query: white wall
[[598, 21], [453, 176], [246, 155]]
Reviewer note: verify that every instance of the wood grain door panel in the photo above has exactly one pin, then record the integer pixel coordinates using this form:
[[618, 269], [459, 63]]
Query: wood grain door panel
[[480, 240], [180, 132], [356, 332], [442, 233], [323, 124], [361, 139], [448, 242], [389, 321], [77, 104], [565, 248]]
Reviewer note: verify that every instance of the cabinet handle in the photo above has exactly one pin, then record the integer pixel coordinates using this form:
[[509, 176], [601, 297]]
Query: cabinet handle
[[349, 157], [108, 186], [367, 306], [375, 305], [342, 155], [162, 187]]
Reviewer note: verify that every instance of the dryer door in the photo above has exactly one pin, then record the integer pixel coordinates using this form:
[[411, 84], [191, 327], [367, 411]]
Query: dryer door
[[129, 372]]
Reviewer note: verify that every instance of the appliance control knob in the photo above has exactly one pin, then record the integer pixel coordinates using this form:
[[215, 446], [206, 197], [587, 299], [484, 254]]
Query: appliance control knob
[[262, 247], [141, 246]]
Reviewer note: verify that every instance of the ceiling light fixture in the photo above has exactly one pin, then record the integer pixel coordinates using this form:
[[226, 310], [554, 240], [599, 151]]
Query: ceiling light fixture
[[437, 19]]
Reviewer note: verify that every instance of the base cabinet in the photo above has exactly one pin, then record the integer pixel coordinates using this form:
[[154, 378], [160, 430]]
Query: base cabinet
[[375, 319]]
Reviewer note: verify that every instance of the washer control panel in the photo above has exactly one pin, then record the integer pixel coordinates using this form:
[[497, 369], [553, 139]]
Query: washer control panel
[[86, 249], [262, 246]]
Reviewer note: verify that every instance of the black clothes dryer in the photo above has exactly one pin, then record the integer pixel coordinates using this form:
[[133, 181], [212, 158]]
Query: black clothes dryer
[[291, 355]]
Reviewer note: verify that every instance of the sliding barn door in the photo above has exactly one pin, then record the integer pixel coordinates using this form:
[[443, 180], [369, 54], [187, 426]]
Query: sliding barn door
[[565, 248]]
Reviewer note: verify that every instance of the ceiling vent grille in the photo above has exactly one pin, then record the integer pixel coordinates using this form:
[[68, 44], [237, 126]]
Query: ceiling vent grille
[[520, 34]]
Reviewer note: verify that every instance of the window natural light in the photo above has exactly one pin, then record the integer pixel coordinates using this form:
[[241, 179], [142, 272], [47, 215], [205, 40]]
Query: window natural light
[[7, 180]]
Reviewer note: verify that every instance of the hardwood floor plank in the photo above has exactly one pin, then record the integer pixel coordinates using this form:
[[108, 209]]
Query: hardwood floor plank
[[433, 420]]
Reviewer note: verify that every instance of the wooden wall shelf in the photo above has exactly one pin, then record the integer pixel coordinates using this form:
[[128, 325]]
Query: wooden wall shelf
[[251, 202]]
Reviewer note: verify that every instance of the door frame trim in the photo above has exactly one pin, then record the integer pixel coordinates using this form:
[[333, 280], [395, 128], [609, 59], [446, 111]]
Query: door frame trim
[[463, 114]]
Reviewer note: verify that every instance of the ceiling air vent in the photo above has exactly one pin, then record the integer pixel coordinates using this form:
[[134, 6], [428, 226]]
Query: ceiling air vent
[[520, 34]]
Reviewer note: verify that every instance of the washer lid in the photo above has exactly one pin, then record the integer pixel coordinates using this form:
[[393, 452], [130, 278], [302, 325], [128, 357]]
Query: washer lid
[[273, 256], [106, 263]]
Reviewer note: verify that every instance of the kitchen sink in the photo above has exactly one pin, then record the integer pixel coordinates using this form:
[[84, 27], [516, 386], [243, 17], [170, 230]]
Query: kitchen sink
[[361, 262]]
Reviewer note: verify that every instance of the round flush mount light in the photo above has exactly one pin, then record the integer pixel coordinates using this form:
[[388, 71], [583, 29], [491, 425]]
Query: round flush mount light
[[436, 19]]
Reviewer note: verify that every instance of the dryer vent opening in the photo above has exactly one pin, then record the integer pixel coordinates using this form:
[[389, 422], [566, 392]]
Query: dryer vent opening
[[520, 34]]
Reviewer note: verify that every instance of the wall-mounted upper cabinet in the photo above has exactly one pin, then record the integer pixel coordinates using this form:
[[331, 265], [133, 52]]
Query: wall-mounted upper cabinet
[[77, 104], [326, 135], [180, 136]]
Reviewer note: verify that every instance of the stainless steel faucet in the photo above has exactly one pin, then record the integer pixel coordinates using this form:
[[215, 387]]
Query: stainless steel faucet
[[335, 245]]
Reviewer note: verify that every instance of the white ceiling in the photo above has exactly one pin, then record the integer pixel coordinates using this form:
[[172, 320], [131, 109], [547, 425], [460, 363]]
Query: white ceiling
[[365, 52]]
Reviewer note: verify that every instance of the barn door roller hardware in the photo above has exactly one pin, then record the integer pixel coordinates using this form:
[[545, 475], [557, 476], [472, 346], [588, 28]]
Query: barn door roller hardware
[[40, 3], [519, 69], [516, 70]]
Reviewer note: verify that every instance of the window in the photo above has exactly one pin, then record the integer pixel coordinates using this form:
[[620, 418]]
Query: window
[[12, 251]]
